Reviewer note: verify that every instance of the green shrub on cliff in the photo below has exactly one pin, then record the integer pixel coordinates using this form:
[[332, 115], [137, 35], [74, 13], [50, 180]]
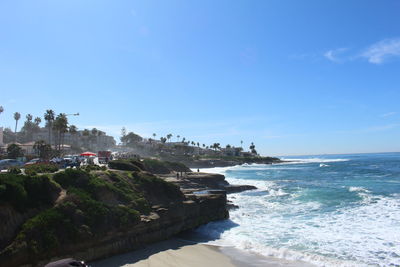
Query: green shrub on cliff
[[123, 165], [71, 177], [90, 168], [150, 165], [40, 168], [157, 187], [24, 192], [43, 232], [95, 204], [72, 222], [14, 170], [97, 187], [83, 213], [137, 163], [163, 167]]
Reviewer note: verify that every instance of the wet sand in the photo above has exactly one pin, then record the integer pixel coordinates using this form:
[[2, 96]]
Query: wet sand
[[181, 253]]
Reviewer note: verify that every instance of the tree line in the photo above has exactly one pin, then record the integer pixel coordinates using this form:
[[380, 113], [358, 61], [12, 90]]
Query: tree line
[[131, 138]]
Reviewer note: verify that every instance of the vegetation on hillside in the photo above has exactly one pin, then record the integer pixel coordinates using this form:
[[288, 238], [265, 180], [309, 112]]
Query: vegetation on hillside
[[40, 168], [24, 191], [94, 204], [149, 165]]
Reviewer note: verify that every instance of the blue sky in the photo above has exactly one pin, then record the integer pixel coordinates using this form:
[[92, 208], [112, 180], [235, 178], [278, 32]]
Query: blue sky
[[294, 77]]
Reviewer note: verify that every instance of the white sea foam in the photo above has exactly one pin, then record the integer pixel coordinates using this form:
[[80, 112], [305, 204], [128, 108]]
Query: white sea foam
[[311, 160], [358, 189], [351, 236], [277, 221], [275, 166], [251, 167]]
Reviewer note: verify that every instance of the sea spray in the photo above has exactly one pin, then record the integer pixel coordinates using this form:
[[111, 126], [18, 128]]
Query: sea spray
[[347, 214]]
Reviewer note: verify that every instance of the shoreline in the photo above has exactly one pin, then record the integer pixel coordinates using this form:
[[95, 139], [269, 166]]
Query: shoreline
[[177, 252]]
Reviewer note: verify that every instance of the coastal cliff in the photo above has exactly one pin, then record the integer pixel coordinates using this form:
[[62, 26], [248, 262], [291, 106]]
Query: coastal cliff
[[92, 215]]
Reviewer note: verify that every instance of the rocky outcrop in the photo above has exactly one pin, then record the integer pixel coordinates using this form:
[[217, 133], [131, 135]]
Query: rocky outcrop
[[199, 181], [238, 188]]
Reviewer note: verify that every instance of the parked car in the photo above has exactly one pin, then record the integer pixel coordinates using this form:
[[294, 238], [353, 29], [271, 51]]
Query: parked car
[[37, 161], [66, 263], [7, 163], [71, 162]]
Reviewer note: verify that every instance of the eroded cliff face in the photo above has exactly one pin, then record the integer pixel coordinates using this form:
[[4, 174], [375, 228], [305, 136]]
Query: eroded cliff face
[[164, 212]]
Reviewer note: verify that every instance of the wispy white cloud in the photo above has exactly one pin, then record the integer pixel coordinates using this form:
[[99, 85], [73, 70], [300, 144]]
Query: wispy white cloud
[[388, 114], [381, 51], [333, 55], [377, 53]]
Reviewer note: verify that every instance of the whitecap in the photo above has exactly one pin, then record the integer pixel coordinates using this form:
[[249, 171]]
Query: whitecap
[[311, 160]]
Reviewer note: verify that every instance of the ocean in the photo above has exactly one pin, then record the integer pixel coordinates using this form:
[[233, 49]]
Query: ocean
[[330, 210]]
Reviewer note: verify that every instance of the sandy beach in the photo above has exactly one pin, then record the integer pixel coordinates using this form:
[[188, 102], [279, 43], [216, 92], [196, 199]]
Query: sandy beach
[[181, 253]]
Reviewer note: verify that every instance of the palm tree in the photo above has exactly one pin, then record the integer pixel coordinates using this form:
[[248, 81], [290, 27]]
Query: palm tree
[[29, 117], [49, 118], [37, 121], [1, 111], [252, 148], [17, 116], [169, 136], [241, 143], [94, 131], [216, 146], [178, 136], [61, 125], [73, 130], [154, 135]]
